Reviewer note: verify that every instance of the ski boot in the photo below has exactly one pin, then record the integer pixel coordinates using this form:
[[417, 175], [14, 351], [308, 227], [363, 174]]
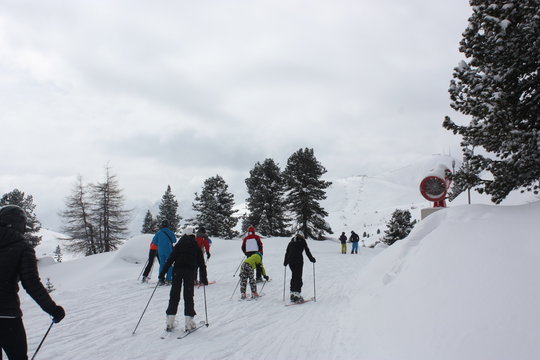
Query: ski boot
[[190, 324], [170, 323], [255, 295], [145, 279], [296, 297], [243, 296]]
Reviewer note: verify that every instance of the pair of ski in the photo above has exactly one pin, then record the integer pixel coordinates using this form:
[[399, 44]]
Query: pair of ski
[[166, 334]]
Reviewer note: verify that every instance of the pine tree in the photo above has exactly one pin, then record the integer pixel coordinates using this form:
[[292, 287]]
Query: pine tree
[[108, 213], [266, 204], [150, 224], [398, 227], [214, 208], [17, 197], [77, 221], [467, 178], [499, 88], [58, 254], [168, 210], [305, 190], [49, 286]]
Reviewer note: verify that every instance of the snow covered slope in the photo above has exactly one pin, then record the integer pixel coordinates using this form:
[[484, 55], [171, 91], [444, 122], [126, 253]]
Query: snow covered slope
[[461, 286]]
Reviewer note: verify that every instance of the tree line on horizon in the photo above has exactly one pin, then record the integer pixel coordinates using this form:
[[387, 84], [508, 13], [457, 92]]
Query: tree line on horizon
[[279, 203]]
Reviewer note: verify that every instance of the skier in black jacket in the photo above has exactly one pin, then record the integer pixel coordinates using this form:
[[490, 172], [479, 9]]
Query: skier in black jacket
[[18, 262], [295, 260], [186, 257]]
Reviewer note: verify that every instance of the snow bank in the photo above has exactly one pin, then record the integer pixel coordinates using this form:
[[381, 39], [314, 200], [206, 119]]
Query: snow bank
[[135, 250], [461, 286]]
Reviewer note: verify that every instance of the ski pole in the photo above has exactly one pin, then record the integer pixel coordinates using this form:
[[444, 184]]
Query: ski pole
[[144, 267], [42, 340], [284, 279], [205, 306], [238, 283], [239, 266], [314, 289], [262, 287], [146, 307]]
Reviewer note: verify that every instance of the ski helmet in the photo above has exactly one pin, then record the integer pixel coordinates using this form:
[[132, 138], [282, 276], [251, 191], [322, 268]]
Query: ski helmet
[[13, 216], [188, 230], [251, 229]]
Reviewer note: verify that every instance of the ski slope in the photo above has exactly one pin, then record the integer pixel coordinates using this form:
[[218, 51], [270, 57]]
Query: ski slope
[[461, 286]]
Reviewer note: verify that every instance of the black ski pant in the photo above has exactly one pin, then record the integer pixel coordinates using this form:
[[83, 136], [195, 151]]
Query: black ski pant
[[13, 339], [180, 275], [296, 278], [151, 256]]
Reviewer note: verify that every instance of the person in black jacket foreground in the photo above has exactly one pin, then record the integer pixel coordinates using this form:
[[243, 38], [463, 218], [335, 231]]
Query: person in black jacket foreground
[[18, 262], [186, 257], [295, 260]]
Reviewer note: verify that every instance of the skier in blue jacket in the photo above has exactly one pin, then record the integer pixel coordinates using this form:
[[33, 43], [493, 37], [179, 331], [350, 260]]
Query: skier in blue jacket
[[164, 239]]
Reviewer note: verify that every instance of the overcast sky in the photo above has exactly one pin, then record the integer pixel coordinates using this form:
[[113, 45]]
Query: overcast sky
[[173, 92]]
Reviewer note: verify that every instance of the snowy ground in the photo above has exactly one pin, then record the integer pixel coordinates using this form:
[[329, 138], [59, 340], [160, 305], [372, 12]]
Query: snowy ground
[[463, 285]]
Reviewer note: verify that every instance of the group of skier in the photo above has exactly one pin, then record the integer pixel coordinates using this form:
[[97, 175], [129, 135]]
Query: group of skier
[[180, 262], [354, 239]]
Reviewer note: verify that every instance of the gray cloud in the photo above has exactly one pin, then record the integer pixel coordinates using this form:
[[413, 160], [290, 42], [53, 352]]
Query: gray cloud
[[190, 89]]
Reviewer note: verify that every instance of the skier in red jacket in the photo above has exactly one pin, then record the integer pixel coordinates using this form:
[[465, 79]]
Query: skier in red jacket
[[252, 244], [203, 241]]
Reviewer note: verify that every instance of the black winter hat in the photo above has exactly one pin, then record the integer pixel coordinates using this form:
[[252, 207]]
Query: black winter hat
[[164, 223], [13, 216], [202, 230]]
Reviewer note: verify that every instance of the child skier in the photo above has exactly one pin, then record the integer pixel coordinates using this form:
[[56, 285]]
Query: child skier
[[343, 239], [295, 260], [204, 244], [187, 257], [354, 239], [247, 272], [151, 256]]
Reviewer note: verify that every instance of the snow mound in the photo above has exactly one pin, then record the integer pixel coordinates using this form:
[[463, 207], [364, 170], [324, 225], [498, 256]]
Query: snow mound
[[135, 250], [466, 282]]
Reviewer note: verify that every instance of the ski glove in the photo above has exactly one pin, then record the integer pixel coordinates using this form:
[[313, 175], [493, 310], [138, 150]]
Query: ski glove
[[207, 256], [204, 281], [313, 260], [266, 277], [57, 313]]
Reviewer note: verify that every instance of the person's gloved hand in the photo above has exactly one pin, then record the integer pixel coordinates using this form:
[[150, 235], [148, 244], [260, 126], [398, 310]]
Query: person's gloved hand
[[204, 281], [313, 260], [57, 313], [207, 256], [285, 263], [266, 277]]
